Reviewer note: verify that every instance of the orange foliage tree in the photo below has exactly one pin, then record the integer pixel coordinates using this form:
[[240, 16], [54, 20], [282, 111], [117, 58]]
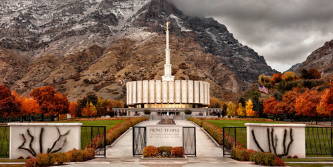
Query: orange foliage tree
[[325, 106], [73, 109], [249, 109], [28, 106], [276, 78], [306, 103], [215, 103], [89, 111], [8, 105], [51, 103]]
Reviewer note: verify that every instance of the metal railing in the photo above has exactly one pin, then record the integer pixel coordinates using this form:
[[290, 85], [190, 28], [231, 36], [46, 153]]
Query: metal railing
[[4, 141], [231, 136], [94, 136], [319, 141]]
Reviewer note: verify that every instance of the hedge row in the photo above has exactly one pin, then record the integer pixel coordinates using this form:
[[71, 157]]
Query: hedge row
[[163, 151], [113, 133], [238, 150], [43, 160], [259, 158]]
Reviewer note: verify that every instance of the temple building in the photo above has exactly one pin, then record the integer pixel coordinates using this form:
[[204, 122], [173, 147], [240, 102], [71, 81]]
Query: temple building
[[167, 96]]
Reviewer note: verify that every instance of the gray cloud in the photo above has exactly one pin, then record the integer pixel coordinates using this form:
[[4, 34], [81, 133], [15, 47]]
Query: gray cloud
[[284, 32]]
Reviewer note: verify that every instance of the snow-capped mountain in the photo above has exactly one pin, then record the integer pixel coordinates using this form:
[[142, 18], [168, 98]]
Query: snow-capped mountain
[[81, 46]]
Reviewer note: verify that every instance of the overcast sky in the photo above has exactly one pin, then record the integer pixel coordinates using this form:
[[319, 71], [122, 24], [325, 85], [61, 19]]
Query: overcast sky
[[285, 32]]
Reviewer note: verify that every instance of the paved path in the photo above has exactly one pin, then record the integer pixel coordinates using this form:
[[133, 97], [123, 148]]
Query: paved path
[[205, 146], [120, 154]]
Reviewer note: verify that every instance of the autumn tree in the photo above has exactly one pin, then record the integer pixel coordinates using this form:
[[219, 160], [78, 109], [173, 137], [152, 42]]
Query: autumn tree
[[90, 110], [325, 107], [276, 78], [103, 106], [266, 81], [231, 109], [8, 105], [73, 109], [28, 106], [215, 103], [51, 103], [249, 109], [306, 103], [90, 98], [310, 74], [241, 110], [289, 76]]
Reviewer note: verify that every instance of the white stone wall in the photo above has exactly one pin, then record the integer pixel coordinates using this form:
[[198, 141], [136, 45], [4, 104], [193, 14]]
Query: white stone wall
[[196, 92], [158, 91], [129, 93], [50, 135], [260, 130], [184, 91], [171, 92], [152, 91], [178, 91], [168, 92], [145, 91], [165, 92], [190, 85]]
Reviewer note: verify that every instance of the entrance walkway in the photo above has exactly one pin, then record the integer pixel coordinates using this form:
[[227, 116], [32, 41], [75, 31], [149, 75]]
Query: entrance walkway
[[120, 154], [205, 146]]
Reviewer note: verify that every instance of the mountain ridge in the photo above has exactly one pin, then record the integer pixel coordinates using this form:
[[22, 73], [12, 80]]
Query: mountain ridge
[[78, 57]]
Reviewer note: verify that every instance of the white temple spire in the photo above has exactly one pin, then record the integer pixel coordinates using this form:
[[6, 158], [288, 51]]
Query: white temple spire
[[167, 66]]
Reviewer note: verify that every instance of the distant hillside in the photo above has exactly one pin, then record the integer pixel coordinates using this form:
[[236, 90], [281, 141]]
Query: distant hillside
[[321, 59]]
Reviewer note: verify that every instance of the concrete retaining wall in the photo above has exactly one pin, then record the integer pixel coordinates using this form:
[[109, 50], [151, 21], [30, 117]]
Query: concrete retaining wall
[[265, 136], [27, 139]]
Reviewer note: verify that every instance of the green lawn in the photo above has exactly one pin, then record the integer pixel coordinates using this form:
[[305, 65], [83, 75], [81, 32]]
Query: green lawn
[[108, 123], [87, 133]]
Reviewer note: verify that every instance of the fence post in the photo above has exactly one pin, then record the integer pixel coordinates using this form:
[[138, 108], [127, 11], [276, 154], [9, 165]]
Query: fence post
[[331, 141], [104, 142], [235, 137], [223, 141]]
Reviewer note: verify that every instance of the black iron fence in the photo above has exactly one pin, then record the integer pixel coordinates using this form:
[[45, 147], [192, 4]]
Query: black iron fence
[[231, 136], [139, 141], [4, 141], [318, 140], [94, 136]]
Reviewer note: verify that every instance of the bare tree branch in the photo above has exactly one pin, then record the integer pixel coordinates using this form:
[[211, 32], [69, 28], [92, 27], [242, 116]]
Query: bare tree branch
[[60, 136]]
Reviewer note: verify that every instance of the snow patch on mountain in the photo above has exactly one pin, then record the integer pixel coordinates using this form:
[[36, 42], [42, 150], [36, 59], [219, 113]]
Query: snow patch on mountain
[[180, 23]]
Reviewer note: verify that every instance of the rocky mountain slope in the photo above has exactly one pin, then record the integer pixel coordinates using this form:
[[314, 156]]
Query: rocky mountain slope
[[321, 59], [82, 46]]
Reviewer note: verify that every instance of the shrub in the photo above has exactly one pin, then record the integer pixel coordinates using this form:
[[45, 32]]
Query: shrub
[[150, 151], [32, 162], [88, 154], [76, 155], [44, 160], [260, 158], [58, 158], [177, 151], [165, 151], [113, 133]]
